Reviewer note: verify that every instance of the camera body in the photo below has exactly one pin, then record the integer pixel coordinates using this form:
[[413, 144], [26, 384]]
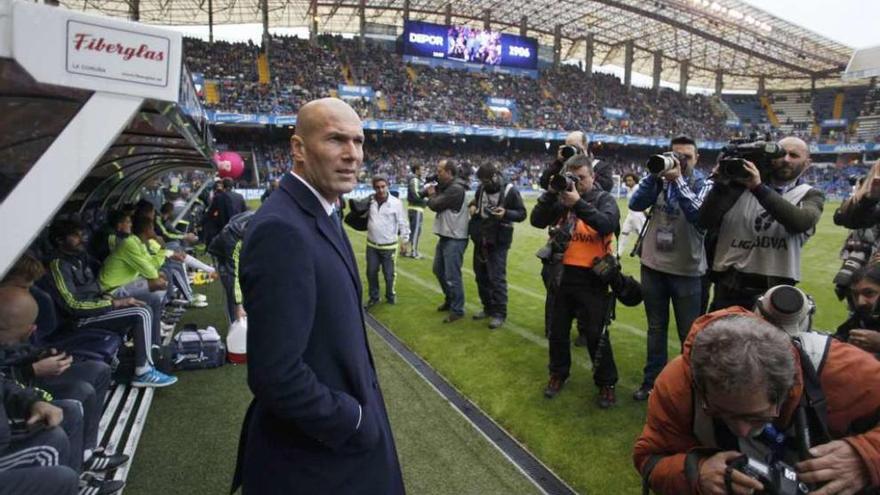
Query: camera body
[[564, 181], [737, 152], [664, 162], [556, 245], [778, 478]]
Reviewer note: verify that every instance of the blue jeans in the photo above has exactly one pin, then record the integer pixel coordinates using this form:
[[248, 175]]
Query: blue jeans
[[658, 289], [447, 268]]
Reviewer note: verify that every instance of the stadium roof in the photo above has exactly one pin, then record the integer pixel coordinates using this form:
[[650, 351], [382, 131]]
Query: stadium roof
[[728, 35]]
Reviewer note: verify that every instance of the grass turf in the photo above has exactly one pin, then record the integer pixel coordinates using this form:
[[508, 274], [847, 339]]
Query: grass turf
[[191, 435], [505, 371], [192, 431]]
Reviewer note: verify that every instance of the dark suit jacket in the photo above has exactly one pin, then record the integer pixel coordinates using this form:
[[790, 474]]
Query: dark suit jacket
[[309, 365]]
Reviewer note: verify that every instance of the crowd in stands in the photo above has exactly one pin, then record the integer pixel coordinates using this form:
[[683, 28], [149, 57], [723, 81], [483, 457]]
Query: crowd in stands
[[561, 98]]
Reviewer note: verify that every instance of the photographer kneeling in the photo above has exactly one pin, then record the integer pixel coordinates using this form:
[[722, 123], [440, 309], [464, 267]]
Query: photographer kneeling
[[763, 213], [742, 386], [862, 329], [584, 219]]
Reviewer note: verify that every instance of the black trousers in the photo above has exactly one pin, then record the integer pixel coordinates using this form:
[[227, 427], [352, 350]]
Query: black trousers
[[45, 480], [38, 463], [226, 270], [490, 269], [86, 382], [726, 296], [590, 307]]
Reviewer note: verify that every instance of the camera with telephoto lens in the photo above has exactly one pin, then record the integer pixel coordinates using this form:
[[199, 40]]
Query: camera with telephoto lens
[[430, 181], [857, 254], [788, 308], [664, 162], [567, 151], [778, 478], [564, 181], [761, 152]]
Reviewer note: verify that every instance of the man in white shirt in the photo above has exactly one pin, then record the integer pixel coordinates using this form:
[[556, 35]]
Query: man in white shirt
[[635, 220], [387, 222]]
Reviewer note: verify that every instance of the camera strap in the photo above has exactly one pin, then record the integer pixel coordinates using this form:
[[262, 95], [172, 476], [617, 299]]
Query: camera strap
[[637, 248], [814, 431]]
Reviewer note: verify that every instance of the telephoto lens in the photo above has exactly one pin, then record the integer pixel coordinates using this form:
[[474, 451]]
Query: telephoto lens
[[658, 164]]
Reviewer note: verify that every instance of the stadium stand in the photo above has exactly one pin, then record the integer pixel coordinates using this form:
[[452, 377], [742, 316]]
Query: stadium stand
[[868, 123], [562, 98]]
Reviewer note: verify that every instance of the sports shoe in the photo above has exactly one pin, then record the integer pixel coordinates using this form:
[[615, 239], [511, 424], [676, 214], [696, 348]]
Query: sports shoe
[[443, 307], [200, 297], [153, 378], [642, 393], [372, 302], [606, 397], [89, 484], [102, 461], [197, 304], [496, 322], [554, 385], [451, 317], [480, 316], [179, 302]]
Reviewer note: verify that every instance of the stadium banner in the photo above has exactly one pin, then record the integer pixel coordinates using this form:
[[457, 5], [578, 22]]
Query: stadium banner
[[347, 91], [502, 108], [508, 132], [834, 123], [614, 113], [469, 45]]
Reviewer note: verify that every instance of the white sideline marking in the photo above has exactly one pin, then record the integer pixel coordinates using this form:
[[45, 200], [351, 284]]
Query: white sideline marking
[[474, 425]]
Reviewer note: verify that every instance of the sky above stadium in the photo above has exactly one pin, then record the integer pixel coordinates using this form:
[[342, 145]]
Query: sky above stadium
[[852, 22]]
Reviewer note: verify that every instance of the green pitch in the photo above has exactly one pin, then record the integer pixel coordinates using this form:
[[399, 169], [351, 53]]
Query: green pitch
[[191, 434]]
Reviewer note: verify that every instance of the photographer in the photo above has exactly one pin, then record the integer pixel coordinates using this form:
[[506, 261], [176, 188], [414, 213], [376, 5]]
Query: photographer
[[862, 209], [672, 254], [763, 213], [742, 386], [576, 144], [862, 329], [448, 200], [494, 209], [583, 220]]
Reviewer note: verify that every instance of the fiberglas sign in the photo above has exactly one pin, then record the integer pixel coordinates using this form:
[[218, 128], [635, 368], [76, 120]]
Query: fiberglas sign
[[117, 54]]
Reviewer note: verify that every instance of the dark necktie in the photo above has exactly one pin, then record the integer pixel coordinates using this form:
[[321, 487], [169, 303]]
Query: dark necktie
[[334, 218]]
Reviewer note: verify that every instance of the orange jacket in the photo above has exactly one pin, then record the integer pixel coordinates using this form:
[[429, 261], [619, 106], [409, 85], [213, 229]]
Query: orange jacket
[[850, 380]]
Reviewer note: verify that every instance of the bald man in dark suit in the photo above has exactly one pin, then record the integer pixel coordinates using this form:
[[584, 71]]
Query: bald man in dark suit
[[317, 423]]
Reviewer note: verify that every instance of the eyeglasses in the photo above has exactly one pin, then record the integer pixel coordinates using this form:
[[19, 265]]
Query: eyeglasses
[[768, 416]]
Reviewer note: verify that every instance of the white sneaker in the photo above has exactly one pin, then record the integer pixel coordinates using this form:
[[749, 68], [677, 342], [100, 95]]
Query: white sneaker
[[197, 304], [200, 297]]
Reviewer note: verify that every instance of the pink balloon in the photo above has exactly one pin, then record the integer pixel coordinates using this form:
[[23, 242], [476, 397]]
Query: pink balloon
[[229, 164]]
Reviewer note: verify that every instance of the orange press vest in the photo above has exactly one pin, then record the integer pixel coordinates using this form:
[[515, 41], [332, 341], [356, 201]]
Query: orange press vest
[[586, 244]]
